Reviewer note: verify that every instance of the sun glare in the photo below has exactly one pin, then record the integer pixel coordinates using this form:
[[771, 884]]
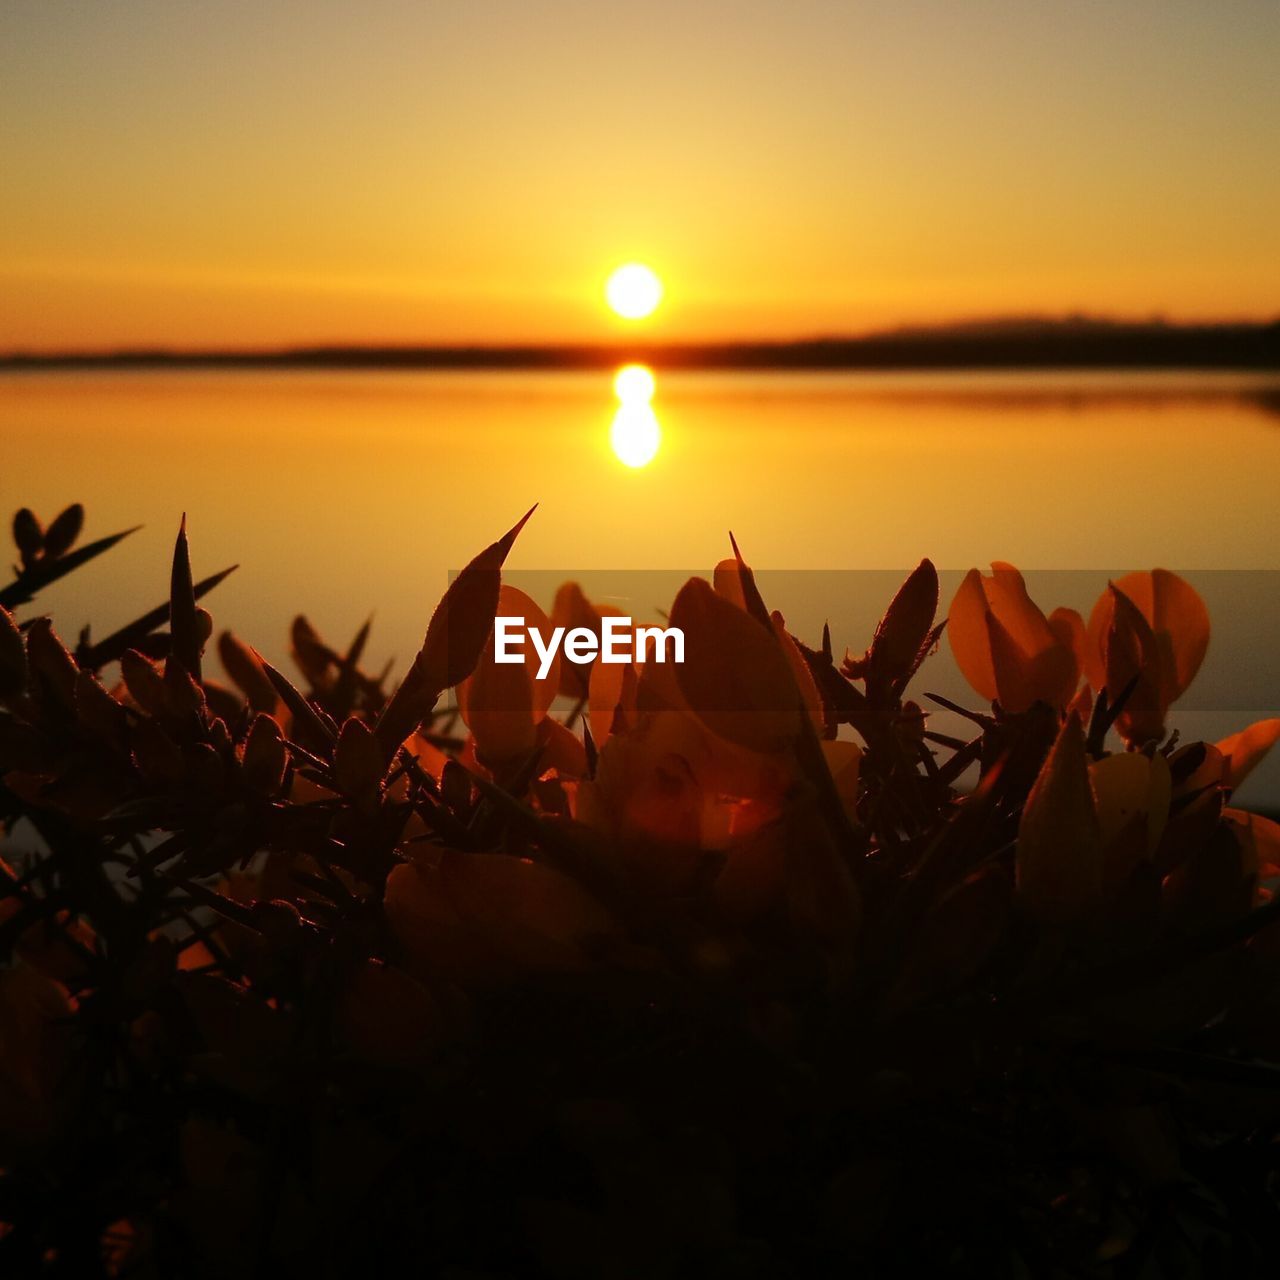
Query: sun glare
[[633, 291], [634, 384], [635, 434]]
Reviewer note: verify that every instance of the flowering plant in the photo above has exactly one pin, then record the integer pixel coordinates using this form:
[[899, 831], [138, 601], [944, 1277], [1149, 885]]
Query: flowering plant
[[736, 968]]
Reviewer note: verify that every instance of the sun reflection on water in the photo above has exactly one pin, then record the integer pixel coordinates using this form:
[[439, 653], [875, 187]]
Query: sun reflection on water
[[635, 434]]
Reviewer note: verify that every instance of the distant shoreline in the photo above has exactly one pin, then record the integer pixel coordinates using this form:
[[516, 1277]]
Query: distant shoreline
[[1054, 345]]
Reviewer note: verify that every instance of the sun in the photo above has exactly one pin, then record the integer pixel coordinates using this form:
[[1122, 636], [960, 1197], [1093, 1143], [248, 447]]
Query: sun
[[633, 291]]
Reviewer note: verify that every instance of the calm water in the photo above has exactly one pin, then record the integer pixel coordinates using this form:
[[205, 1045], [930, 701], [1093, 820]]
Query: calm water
[[341, 494]]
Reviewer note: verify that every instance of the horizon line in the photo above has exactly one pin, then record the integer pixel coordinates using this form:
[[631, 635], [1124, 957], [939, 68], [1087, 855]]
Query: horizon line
[[1075, 341]]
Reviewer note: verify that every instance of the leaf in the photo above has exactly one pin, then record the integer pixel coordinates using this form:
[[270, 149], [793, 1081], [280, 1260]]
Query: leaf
[[344, 689], [130, 636], [245, 670], [1059, 855], [455, 638], [62, 533], [99, 712], [144, 683], [264, 757], [383, 1015], [50, 664], [905, 627], [28, 534], [312, 655], [752, 601], [955, 938], [472, 916], [357, 762], [232, 1022], [183, 625], [23, 588], [13, 658], [308, 728]]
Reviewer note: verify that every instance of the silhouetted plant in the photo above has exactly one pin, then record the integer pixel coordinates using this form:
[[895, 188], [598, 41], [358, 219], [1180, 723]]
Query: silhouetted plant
[[329, 978]]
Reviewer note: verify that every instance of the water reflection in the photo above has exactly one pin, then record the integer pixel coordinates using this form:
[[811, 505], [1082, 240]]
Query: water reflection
[[636, 433]]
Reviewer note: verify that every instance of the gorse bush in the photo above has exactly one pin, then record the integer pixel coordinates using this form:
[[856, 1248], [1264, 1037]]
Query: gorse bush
[[720, 973]]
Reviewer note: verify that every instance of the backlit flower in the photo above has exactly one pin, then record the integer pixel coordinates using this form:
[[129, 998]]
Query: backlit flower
[[1147, 635], [1005, 646]]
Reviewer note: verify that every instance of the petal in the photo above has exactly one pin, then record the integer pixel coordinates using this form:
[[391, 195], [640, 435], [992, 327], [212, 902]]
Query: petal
[[1082, 704], [572, 609], [1259, 835], [844, 759], [969, 636], [1095, 642], [1015, 684], [1059, 856], [1173, 609], [1049, 674], [562, 749], [1129, 786], [727, 581], [1245, 750], [1019, 615], [735, 676], [1179, 610], [506, 698], [612, 688], [809, 695], [514, 603], [496, 702], [1131, 650], [1068, 629]]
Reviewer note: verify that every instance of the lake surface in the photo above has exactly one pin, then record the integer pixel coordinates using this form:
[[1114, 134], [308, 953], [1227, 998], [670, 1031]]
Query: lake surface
[[341, 494]]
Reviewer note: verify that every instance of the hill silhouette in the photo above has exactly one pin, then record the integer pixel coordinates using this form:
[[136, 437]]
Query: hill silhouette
[[1076, 342]]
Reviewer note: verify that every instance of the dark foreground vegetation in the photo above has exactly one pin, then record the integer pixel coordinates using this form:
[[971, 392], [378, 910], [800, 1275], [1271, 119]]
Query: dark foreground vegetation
[[709, 970]]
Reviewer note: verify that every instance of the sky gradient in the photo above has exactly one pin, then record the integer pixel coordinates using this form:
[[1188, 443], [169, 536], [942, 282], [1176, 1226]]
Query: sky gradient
[[240, 174]]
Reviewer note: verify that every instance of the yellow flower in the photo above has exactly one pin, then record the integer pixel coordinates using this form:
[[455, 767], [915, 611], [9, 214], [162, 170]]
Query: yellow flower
[[1005, 646], [503, 703], [1148, 633]]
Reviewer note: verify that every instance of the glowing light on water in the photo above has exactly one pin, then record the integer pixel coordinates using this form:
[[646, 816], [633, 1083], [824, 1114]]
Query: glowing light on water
[[634, 384], [635, 434]]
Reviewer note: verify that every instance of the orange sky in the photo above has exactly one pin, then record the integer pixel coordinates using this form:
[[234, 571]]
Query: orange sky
[[228, 174]]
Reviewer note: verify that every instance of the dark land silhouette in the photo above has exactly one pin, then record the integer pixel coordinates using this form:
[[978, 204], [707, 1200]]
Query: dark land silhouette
[[1072, 343]]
